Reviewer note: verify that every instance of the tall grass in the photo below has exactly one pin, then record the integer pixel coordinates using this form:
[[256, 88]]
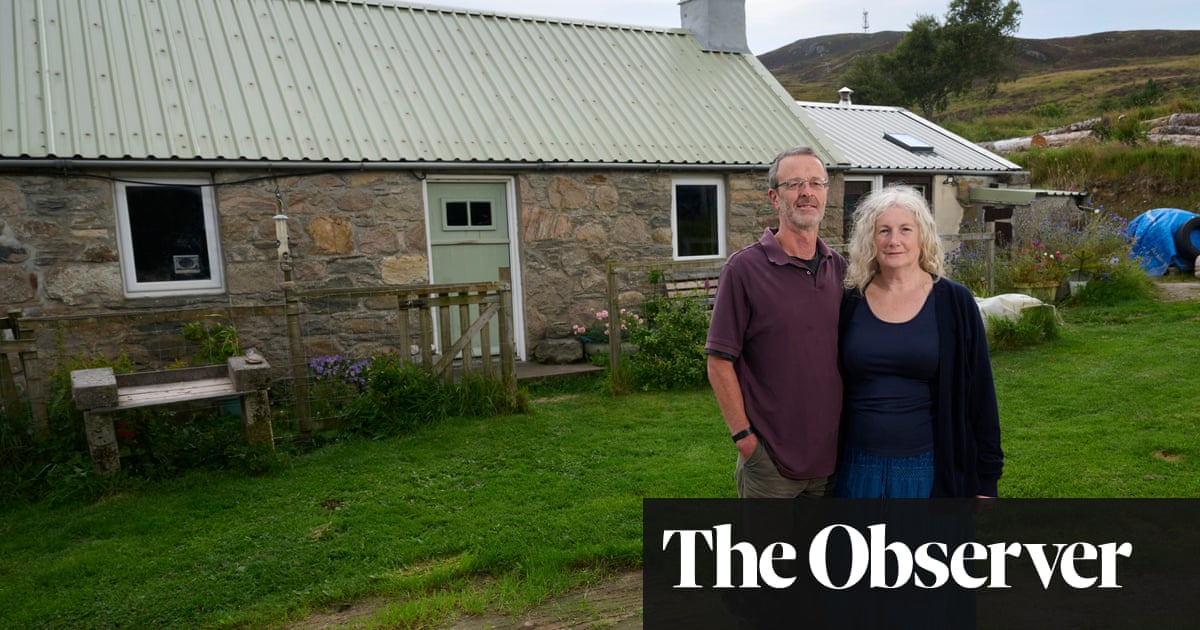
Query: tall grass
[[1034, 326], [1065, 166], [1131, 178]]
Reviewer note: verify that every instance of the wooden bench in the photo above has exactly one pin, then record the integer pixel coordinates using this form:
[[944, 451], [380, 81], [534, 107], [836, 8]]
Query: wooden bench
[[693, 283], [100, 393]]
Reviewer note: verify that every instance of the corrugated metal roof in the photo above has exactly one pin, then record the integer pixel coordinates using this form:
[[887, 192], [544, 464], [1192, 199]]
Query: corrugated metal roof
[[1019, 195], [856, 135], [371, 81]]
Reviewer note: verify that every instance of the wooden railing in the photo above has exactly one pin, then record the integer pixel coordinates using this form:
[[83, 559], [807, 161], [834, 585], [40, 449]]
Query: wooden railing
[[476, 305], [667, 269], [17, 340], [491, 300], [90, 335]]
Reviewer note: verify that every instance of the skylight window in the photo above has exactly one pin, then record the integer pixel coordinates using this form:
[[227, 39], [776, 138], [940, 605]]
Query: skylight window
[[910, 142]]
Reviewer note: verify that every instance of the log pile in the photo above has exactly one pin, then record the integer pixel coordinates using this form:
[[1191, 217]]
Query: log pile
[[1177, 129]]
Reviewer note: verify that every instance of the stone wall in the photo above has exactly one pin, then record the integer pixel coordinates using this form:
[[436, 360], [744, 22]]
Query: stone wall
[[572, 223], [59, 253]]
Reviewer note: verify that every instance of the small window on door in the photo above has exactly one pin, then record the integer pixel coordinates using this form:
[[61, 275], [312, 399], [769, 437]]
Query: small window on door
[[698, 218], [467, 215], [167, 231]]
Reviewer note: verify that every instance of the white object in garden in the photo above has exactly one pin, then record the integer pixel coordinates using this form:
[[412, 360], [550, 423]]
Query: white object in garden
[[1006, 305]]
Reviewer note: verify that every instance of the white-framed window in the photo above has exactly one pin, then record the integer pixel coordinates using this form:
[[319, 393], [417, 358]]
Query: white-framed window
[[698, 218], [167, 233]]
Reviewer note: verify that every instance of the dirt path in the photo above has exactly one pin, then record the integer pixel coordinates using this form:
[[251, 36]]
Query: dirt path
[[1179, 290], [614, 604]]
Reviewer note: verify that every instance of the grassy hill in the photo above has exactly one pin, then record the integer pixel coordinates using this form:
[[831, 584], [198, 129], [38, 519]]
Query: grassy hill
[[1082, 76], [1058, 81]]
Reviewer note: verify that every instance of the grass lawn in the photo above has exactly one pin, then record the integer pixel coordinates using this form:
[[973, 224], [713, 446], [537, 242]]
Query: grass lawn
[[1108, 410], [501, 513], [467, 514]]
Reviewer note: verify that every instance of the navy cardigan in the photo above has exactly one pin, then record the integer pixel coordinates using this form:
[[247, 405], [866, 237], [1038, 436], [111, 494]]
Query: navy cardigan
[[967, 457]]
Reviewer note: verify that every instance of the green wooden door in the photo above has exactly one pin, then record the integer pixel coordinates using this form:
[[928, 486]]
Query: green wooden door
[[468, 239]]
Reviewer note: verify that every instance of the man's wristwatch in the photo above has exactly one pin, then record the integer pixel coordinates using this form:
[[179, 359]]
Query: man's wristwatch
[[743, 434]]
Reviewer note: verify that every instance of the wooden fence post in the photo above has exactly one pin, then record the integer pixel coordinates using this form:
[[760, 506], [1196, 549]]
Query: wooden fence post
[[508, 366], [33, 379], [9, 400], [990, 230], [426, 315], [403, 304], [464, 319], [444, 342], [296, 350], [614, 318]]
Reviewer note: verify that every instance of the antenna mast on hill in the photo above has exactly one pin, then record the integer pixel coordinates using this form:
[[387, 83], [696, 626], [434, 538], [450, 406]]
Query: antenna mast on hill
[[866, 26]]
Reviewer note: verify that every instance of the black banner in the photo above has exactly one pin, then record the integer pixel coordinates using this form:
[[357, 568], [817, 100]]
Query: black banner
[[1009, 563]]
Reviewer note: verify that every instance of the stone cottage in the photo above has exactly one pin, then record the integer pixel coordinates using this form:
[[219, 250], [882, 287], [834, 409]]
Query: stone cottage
[[145, 148]]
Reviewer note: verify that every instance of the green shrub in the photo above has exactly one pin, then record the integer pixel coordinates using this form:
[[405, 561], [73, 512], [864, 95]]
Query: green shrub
[[154, 443], [1047, 249], [400, 396], [1149, 94], [1124, 281], [165, 442], [334, 381], [1035, 325], [670, 346], [1049, 110], [380, 397], [1127, 129], [217, 342], [58, 469], [478, 396]]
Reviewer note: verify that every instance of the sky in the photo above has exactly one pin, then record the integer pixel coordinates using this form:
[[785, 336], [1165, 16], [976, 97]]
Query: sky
[[771, 24]]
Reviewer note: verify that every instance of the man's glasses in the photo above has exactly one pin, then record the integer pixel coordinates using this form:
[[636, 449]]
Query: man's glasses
[[793, 185]]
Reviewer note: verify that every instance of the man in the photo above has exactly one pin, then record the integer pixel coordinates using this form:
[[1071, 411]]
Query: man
[[772, 345]]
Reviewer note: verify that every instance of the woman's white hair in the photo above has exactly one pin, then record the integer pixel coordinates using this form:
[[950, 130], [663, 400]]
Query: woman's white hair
[[863, 262]]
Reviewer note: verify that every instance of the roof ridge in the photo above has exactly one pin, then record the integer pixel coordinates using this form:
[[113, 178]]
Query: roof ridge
[[524, 17]]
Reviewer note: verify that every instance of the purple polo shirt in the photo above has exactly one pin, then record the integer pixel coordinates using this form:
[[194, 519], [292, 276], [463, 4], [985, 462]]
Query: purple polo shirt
[[780, 321]]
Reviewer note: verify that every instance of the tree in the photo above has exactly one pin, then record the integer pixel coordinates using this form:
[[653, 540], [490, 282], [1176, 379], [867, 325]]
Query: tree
[[935, 61], [872, 82]]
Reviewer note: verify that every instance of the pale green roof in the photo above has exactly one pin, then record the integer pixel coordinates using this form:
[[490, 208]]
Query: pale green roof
[[858, 135], [355, 81]]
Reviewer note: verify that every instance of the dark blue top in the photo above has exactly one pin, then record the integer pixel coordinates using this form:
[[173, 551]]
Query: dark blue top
[[888, 372], [967, 458]]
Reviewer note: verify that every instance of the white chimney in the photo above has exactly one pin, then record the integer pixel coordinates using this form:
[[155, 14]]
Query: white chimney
[[719, 25], [844, 96]]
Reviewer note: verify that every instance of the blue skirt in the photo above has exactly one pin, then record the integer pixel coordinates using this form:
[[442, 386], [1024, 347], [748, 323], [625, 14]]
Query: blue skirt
[[865, 476]]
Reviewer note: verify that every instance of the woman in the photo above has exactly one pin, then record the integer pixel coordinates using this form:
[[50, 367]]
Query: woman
[[920, 416]]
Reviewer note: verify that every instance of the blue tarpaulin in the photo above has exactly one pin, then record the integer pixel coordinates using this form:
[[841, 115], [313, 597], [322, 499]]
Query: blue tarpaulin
[[1154, 233]]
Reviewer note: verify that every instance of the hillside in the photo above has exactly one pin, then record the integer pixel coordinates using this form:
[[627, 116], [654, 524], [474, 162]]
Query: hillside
[[1059, 82], [1103, 64]]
